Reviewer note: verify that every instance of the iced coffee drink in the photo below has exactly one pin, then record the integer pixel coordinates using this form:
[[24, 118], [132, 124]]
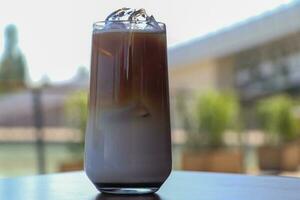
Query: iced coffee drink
[[128, 146]]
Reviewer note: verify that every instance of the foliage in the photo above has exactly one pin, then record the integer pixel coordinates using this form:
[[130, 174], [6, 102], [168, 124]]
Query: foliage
[[76, 116], [184, 112], [276, 118], [211, 115]]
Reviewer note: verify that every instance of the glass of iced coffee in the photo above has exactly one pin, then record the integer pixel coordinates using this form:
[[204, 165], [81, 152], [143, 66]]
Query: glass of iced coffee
[[128, 145]]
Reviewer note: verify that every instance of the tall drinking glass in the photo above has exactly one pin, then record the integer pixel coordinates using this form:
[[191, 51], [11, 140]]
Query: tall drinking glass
[[128, 145]]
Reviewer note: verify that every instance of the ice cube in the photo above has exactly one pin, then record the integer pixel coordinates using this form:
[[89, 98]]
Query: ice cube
[[122, 14], [128, 18], [141, 110], [152, 24]]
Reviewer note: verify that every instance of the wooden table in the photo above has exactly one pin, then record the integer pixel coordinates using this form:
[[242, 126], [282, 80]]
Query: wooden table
[[180, 185]]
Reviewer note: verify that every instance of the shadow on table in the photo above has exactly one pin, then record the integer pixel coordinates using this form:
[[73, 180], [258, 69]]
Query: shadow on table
[[127, 197]]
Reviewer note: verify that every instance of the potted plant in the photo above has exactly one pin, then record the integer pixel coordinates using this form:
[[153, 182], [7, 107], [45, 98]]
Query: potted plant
[[281, 151], [76, 117], [205, 150]]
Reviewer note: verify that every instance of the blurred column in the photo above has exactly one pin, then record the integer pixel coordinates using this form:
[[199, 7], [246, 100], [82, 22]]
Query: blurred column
[[39, 123]]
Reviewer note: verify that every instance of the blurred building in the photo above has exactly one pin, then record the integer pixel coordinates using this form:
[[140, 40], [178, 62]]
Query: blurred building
[[257, 57], [17, 109]]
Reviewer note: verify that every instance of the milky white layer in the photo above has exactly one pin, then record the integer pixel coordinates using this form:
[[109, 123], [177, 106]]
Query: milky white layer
[[122, 148]]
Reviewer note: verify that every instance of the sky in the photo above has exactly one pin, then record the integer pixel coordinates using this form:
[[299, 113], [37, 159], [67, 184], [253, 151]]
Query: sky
[[55, 35]]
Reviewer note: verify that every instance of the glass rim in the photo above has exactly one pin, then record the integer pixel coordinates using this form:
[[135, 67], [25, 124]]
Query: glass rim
[[97, 24]]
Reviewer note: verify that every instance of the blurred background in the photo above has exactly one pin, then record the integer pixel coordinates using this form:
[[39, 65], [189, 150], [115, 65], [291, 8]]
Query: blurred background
[[234, 72]]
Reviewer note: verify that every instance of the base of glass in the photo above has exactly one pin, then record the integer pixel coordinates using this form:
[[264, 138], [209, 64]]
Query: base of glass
[[128, 188], [133, 191]]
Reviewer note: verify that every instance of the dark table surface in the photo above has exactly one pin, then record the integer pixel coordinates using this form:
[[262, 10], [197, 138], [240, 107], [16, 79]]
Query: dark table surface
[[180, 185]]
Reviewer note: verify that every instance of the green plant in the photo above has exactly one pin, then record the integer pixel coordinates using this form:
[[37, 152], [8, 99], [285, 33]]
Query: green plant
[[276, 119], [76, 116], [216, 112], [184, 112], [296, 114]]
